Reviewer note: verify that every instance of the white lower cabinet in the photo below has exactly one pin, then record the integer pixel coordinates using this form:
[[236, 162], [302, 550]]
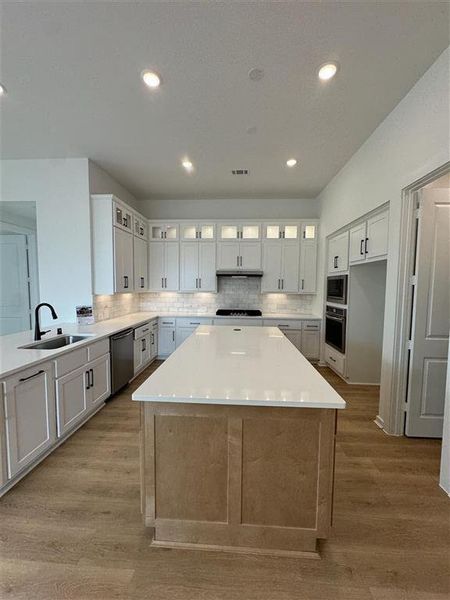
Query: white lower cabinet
[[335, 360], [79, 391], [185, 326], [30, 416], [294, 336], [145, 345], [166, 337]]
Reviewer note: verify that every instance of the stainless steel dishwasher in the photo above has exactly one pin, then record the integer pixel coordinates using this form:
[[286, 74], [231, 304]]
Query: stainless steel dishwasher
[[122, 369]]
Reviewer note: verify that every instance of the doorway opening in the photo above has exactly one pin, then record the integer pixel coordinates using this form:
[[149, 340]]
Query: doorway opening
[[422, 329]]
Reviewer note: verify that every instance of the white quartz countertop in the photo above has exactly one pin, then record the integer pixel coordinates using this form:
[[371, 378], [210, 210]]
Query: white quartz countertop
[[255, 366], [13, 358]]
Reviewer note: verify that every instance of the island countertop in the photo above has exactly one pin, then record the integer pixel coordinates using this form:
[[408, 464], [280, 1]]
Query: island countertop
[[247, 366]]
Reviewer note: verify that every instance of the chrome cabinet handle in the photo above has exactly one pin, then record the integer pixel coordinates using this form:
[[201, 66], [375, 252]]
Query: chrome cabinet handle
[[31, 376]]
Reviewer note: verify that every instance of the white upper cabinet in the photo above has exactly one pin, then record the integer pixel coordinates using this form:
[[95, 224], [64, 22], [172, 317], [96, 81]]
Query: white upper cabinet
[[164, 231], [198, 267], [140, 265], [369, 239], [338, 253], [123, 261], [163, 259], [280, 266], [115, 231], [308, 258], [281, 231], [196, 232], [240, 231], [239, 255], [140, 227]]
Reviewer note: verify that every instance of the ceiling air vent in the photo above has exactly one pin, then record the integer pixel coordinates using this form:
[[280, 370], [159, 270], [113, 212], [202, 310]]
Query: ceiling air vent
[[240, 171]]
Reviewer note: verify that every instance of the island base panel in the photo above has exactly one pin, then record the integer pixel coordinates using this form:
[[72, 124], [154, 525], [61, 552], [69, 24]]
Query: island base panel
[[243, 477]]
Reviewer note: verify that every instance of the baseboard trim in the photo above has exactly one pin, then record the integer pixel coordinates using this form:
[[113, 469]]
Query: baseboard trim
[[444, 490], [379, 422]]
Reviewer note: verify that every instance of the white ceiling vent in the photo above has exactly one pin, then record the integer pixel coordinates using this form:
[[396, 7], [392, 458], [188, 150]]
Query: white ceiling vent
[[240, 171]]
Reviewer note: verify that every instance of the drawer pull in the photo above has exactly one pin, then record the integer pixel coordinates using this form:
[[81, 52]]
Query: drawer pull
[[192, 323], [31, 376], [331, 358]]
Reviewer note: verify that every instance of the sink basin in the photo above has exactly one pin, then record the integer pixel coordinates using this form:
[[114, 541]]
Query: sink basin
[[56, 342]]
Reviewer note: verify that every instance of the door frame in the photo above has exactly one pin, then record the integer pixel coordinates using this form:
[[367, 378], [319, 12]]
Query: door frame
[[399, 380]]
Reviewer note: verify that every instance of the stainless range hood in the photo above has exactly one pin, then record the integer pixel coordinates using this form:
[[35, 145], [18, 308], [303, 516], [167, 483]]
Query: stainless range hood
[[235, 274]]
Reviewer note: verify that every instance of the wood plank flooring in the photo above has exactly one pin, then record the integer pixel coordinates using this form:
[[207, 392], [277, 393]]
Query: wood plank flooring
[[72, 528]]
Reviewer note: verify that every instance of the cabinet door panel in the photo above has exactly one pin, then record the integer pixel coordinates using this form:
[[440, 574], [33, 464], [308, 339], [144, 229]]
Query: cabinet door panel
[[308, 267], [30, 416], [138, 354], [182, 333], [357, 243], [189, 267], [71, 397], [123, 261], [100, 374], [207, 267], [290, 264], [250, 253], [310, 344], [172, 267], [272, 257], [294, 336], [227, 255], [140, 264], [377, 235], [156, 266], [338, 253], [166, 341]]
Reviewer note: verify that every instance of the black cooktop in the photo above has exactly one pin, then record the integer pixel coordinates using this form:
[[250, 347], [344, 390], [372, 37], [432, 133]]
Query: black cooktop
[[238, 312]]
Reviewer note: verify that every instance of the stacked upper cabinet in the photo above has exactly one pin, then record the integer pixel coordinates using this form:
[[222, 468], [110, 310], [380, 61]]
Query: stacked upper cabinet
[[198, 257], [369, 239], [338, 253], [113, 245], [290, 257], [140, 250], [163, 256], [239, 246]]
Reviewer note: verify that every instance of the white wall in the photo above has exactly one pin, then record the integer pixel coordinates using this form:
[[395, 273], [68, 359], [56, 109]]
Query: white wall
[[60, 189], [235, 208], [411, 142], [445, 457], [101, 182]]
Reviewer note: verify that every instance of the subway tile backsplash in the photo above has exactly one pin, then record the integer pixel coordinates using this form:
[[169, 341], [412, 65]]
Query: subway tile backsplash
[[232, 293]]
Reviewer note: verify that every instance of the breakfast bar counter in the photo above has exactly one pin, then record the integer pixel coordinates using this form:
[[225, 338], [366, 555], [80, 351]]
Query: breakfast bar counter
[[237, 444]]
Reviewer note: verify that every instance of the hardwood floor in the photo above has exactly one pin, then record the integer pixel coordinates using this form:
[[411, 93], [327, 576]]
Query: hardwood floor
[[72, 528]]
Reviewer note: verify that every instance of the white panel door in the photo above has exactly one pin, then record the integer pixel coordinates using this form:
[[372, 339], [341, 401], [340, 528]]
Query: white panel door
[[30, 416], [99, 381], [357, 243], [311, 344], [308, 267], [189, 275], [156, 266], [207, 267], [166, 341], [294, 336], [172, 267], [338, 253], [377, 235], [290, 267], [72, 398], [227, 255], [430, 327], [14, 296], [182, 333], [123, 260], [140, 264], [250, 253], [272, 257]]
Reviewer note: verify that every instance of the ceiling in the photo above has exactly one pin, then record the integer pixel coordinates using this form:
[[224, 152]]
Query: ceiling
[[72, 71]]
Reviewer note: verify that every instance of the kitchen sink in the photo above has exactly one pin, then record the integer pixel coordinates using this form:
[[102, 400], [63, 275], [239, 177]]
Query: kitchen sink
[[56, 342]]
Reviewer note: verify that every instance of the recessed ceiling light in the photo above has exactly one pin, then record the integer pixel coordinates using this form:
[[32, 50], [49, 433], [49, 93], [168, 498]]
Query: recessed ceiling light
[[256, 74], [2, 90], [291, 162], [151, 79], [188, 165], [328, 71]]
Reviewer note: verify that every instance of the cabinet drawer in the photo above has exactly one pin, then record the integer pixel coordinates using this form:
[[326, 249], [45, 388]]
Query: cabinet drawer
[[283, 323], [193, 321], [335, 359], [142, 330], [98, 349], [244, 322], [311, 325], [71, 361], [166, 322]]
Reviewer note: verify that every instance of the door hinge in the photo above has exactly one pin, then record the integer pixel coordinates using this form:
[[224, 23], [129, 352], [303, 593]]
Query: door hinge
[[410, 344], [413, 280]]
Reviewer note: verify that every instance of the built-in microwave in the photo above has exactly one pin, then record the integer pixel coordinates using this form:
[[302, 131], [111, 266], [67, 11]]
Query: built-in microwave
[[337, 289]]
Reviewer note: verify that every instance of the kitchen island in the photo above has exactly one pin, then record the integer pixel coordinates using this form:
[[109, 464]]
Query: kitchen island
[[237, 444]]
